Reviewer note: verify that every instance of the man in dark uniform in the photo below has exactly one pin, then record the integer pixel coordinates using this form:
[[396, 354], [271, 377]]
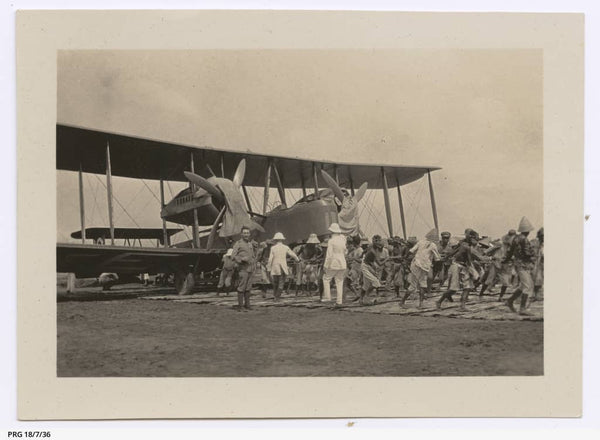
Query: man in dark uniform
[[523, 255], [244, 255]]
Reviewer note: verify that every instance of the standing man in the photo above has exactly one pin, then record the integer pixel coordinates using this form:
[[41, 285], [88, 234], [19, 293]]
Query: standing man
[[461, 270], [440, 268], [425, 252], [278, 263], [244, 256], [310, 254], [335, 264], [522, 255]]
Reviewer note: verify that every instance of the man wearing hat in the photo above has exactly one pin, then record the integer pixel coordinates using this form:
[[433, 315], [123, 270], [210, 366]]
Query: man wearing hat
[[244, 256], [461, 270], [523, 256], [310, 254], [334, 266], [278, 263], [425, 252]]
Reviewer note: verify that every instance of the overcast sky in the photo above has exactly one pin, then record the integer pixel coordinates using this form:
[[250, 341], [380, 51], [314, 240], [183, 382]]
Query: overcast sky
[[477, 114]]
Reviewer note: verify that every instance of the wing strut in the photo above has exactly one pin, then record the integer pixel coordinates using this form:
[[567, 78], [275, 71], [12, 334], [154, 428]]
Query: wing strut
[[196, 237], [314, 169], [166, 239], [432, 195], [401, 209], [386, 199], [81, 205], [267, 187], [280, 187], [109, 195]]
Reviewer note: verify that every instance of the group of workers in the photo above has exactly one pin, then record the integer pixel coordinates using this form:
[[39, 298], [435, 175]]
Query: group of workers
[[408, 267]]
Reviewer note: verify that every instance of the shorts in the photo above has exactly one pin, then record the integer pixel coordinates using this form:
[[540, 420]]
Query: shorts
[[525, 280], [460, 275], [370, 280], [417, 277]]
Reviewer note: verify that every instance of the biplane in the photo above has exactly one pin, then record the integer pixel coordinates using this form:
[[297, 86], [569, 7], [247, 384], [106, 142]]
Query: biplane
[[215, 203]]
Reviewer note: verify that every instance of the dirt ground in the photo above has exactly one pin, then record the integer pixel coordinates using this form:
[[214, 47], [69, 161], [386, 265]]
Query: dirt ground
[[136, 337]]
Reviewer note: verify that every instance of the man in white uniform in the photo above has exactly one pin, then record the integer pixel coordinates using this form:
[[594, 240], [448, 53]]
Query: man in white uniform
[[335, 264], [278, 263]]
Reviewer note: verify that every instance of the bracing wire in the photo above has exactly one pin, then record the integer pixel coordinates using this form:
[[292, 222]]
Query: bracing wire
[[120, 205], [96, 203]]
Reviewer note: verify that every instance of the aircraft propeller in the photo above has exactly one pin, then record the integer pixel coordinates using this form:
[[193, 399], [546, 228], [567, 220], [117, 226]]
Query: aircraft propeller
[[332, 184], [233, 213], [204, 184], [348, 212], [240, 172]]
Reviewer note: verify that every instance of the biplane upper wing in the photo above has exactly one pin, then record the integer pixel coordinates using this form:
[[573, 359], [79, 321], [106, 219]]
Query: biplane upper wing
[[90, 260], [153, 159]]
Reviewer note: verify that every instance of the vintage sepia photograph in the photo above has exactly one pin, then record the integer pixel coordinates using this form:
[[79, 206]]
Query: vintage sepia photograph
[[300, 212]]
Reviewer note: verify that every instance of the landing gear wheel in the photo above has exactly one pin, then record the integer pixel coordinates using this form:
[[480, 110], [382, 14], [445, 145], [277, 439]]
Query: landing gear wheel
[[184, 282]]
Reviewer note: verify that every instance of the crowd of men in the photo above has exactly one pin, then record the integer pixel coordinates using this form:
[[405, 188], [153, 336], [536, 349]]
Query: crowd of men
[[408, 268]]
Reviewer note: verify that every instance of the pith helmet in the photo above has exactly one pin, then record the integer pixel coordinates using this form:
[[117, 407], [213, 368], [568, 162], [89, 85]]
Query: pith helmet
[[525, 225], [278, 236], [313, 239], [335, 228]]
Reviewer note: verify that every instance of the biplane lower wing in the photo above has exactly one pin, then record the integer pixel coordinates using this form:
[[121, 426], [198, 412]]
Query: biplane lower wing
[[92, 260], [124, 233]]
